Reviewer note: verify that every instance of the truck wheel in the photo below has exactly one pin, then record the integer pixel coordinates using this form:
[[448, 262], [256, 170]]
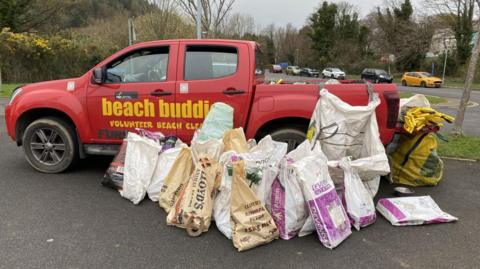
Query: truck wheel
[[404, 83], [293, 136], [50, 145]]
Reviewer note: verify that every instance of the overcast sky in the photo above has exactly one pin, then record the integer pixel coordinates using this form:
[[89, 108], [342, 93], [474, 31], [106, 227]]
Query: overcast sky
[[296, 12]]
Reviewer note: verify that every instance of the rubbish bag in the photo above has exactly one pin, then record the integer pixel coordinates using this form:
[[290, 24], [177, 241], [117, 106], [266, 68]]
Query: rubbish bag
[[412, 211], [193, 208], [164, 165], [326, 209], [288, 206], [251, 223], [358, 201], [176, 179], [211, 147], [234, 140], [217, 122], [264, 159], [221, 204], [113, 177], [417, 100], [415, 161], [343, 130], [140, 161]]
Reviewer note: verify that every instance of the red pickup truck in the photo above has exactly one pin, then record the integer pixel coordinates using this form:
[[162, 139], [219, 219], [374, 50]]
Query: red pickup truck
[[168, 86]]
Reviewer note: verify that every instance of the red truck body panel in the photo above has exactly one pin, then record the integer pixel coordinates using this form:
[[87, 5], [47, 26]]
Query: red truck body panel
[[101, 115]]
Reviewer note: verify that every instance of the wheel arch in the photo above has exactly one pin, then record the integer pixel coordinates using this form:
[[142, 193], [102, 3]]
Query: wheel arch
[[275, 124]]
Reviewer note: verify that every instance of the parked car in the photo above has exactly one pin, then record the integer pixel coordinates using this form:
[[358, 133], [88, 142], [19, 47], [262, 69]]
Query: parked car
[[292, 70], [309, 72], [335, 73], [276, 68], [376, 75], [422, 79], [171, 89]]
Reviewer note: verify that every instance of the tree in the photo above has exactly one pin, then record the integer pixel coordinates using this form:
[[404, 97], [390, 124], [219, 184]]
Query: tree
[[214, 12], [402, 36], [472, 66], [322, 24], [458, 16]]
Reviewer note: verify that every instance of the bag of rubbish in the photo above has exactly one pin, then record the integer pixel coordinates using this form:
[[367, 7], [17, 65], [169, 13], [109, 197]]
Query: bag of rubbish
[[415, 162], [164, 165], [234, 140], [288, 206], [251, 223], [140, 161], [262, 167], [217, 122], [193, 208], [412, 211], [176, 179], [344, 130], [113, 177], [211, 147], [155, 136], [221, 204], [326, 209], [358, 201]]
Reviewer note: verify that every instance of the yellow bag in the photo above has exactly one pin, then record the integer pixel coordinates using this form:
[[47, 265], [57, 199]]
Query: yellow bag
[[251, 223], [176, 179], [235, 140], [193, 208], [415, 162]]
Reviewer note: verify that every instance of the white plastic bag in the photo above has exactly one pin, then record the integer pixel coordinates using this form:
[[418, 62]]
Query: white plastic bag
[[212, 148], [326, 209], [358, 201], [417, 100], [412, 211], [265, 157], [221, 204], [140, 162], [288, 207], [164, 164], [344, 130]]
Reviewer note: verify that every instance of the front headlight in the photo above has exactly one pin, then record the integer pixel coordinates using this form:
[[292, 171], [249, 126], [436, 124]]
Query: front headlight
[[15, 93]]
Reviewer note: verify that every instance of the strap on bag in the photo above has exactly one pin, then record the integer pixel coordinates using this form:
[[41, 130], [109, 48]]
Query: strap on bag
[[317, 137], [369, 90]]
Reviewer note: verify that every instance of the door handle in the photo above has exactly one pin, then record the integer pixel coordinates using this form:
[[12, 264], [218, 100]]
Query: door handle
[[232, 91], [160, 92]]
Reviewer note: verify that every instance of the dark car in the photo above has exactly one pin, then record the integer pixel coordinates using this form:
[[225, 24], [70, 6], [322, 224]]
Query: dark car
[[376, 75], [309, 72]]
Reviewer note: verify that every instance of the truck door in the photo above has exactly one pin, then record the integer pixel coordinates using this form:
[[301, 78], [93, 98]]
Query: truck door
[[137, 83], [209, 73]]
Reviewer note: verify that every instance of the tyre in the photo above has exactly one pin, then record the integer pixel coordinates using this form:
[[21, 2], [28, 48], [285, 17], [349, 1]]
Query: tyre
[[404, 83], [293, 136], [50, 145], [423, 84]]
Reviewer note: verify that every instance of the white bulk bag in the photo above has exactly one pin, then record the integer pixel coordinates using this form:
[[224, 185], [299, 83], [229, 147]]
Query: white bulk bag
[[344, 130], [140, 162]]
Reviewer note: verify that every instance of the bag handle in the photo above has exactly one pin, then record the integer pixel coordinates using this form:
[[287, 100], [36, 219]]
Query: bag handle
[[317, 137], [369, 90]]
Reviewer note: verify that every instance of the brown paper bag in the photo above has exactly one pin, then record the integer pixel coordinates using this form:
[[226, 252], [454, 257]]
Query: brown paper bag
[[193, 208], [176, 179], [251, 223], [235, 140]]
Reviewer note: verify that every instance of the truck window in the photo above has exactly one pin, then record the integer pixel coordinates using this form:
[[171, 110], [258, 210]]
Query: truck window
[[208, 62], [146, 65]]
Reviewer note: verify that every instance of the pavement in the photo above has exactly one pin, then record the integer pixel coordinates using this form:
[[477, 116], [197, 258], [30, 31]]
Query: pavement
[[70, 221]]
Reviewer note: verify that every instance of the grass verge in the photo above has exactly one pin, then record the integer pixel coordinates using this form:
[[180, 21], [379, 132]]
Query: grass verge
[[8, 88], [465, 147], [432, 99]]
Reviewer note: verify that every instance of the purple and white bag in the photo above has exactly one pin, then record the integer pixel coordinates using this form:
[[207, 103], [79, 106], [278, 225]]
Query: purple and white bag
[[326, 209], [357, 200], [417, 210]]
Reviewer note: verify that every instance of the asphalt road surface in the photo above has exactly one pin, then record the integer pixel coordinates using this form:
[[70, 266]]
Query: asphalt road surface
[[70, 221]]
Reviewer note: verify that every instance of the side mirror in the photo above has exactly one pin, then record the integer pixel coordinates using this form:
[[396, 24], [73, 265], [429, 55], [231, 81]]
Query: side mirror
[[99, 75]]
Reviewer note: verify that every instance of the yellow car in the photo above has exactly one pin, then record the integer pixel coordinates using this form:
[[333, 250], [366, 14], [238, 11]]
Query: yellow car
[[422, 79]]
